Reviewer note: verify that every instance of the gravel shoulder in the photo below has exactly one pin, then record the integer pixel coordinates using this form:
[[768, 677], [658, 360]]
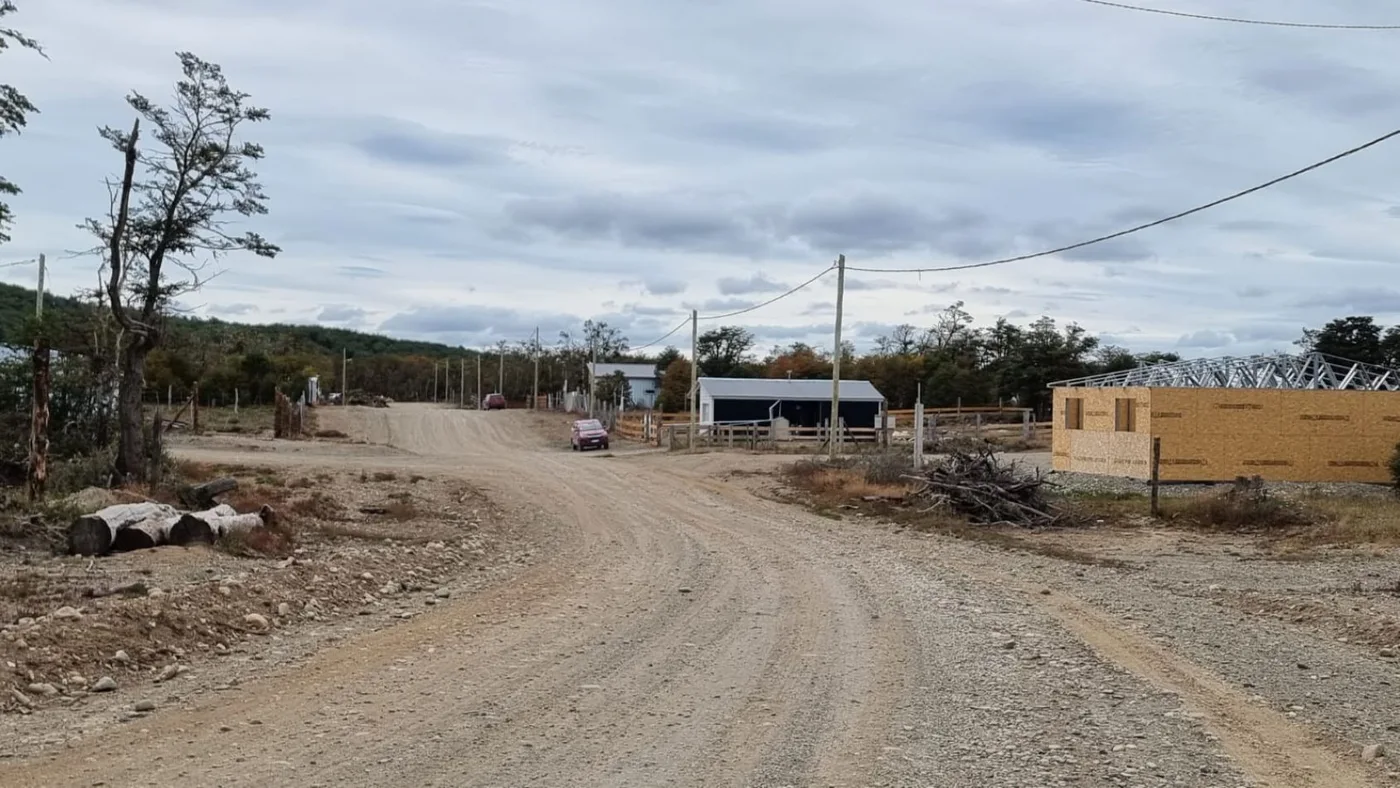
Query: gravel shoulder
[[673, 628]]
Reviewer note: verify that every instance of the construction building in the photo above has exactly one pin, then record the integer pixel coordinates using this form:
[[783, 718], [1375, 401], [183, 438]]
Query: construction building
[[1304, 418]]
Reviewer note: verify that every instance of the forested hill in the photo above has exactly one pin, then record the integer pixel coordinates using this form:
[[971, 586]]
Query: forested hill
[[17, 306]]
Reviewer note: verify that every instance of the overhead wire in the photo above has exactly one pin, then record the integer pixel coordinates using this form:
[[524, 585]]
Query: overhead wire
[[772, 300], [1138, 228], [17, 263], [1238, 20], [661, 338]]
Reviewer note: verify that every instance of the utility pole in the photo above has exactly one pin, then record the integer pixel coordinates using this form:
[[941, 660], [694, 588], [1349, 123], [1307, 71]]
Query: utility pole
[[835, 437], [463, 388], [478, 379], [39, 412], [535, 398], [501, 368], [344, 373], [592, 376], [694, 375], [435, 381]]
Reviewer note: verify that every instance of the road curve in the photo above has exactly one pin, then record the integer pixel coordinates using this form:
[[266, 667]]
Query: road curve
[[683, 633]]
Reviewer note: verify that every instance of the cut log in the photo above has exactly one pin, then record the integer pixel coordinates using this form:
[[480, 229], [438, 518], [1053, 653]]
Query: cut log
[[238, 523], [193, 527], [94, 534], [201, 496], [141, 535]]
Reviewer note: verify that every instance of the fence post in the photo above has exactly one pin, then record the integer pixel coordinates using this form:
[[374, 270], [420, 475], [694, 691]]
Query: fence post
[[918, 436], [1026, 425], [1156, 474]]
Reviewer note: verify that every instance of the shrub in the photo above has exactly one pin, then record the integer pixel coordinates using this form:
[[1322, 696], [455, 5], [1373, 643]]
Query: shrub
[[319, 506], [887, 467], [1246, 506]]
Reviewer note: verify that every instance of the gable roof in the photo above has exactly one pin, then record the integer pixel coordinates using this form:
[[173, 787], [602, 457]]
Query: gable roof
[[784, 389], [647, 371]]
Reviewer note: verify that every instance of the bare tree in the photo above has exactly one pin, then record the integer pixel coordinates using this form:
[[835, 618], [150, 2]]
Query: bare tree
[[14, 106], [170, 216]]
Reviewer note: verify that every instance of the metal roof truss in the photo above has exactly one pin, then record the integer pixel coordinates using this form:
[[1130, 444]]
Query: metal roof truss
[[1306, 371]]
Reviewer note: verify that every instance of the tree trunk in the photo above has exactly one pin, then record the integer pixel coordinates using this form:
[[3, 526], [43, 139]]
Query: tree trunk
[[96, 533], [197, 528], [131, 445]]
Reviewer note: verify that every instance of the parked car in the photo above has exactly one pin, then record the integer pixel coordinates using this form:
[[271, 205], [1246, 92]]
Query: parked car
[[495, 402], [588, 434]]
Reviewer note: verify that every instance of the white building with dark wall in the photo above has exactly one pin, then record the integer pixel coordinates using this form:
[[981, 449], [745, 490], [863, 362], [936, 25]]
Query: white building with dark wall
[[641, 380], [803, 403]]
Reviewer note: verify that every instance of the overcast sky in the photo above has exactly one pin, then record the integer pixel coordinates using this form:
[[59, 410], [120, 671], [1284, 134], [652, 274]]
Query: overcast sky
[[464, 171]]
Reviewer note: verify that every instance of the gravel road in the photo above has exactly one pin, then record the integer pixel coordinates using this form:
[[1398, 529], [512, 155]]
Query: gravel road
[[683, 632]]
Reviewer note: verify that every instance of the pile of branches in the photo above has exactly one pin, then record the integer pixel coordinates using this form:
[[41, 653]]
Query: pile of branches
[[979, 487]]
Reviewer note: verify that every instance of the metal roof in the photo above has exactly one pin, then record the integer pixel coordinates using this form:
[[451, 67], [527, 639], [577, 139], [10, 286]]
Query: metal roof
[[628, 370], [1314, 371], [784, 389]]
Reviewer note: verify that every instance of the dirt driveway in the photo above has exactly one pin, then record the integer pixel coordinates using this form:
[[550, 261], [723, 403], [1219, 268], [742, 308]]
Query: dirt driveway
[[682, 631]]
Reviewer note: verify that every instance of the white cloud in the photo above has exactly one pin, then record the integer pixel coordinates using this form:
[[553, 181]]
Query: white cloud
[[466, 171]]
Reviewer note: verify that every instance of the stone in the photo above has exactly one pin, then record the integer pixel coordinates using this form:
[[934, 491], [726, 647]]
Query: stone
[[1008, 645], [443, 593], [122, 657], [284, 610], [1372, 753], [43, 688], [156, 593], [225, 590], [685, 589], [167, 673], [67, 613], [366, 576], [1388, 653], [256, 620], [145, 705], [21, 698], [105, 684]]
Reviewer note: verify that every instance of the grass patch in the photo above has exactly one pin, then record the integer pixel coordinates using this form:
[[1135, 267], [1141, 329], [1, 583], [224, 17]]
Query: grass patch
[[275, 539], [319, 506], [385, 476], [330, 434], [401, 510]]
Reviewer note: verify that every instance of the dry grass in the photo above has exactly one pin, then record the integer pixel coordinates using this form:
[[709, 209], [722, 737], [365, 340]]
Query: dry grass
[[318, 506], [330, 434], [1356, 521], [385, 476], [401, 510], [275, 539]]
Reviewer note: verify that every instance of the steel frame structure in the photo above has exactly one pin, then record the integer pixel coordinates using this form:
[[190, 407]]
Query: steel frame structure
[[1316, 371]]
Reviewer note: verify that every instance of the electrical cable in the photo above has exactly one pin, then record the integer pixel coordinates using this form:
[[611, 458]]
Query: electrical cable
[[662, 338], [1131, 230], [776, 298], [1237, 20], [16, 263]]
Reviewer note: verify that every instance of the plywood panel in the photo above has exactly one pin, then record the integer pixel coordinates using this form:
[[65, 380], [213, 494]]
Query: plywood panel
[[1333, 459], [1106, 453], [1336, 413], [1190, 457], [1381, 413], [1173, 412], [1238, 412]]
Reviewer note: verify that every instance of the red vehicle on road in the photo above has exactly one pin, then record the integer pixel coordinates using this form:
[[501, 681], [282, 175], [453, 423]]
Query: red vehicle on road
[[588, 434], [495, 402]]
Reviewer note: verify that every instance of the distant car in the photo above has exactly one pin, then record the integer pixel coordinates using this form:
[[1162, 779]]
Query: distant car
[[495, 402], [588, 434]]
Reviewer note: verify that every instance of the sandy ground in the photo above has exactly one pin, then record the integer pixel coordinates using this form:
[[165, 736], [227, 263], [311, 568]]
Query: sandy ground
[[678, 629]]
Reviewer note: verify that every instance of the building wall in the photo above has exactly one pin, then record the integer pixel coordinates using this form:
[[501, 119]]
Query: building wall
[[1100, 446], [644, 391], [1219, 434]]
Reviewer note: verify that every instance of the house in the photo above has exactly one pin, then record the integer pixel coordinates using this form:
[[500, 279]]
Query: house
[[804, 403], [1304, 418], [642, 380]]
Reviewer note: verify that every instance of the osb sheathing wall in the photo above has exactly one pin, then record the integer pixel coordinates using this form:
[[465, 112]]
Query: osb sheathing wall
[[1099, 447], [1218, 434]]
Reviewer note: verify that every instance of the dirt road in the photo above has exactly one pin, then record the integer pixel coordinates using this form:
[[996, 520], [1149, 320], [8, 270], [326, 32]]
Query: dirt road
[[683, 632]]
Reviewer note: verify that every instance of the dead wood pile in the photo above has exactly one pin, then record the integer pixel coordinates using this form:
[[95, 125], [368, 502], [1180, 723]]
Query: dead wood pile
[[140, 526], [986, 491]]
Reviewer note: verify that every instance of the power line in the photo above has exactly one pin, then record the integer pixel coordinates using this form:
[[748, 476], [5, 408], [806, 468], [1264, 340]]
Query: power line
[[17, 263], [1237, 20], [1140, 227], [778, 298], [662, 338]]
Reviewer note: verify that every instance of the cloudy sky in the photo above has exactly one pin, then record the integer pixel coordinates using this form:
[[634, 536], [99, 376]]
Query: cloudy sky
[[463, 171]]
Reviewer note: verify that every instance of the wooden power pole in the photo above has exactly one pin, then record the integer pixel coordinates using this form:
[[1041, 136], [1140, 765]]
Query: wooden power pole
[[344, 373], [478, 379], [535, 397], [694, 375], [39, 410], [835, 437], [462, 393]]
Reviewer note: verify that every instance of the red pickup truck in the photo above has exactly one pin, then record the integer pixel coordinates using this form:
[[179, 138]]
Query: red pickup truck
[[588, 434]]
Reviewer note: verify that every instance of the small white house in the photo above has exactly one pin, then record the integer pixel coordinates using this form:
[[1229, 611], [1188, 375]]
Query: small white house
[[802, 403], [641, 379]]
